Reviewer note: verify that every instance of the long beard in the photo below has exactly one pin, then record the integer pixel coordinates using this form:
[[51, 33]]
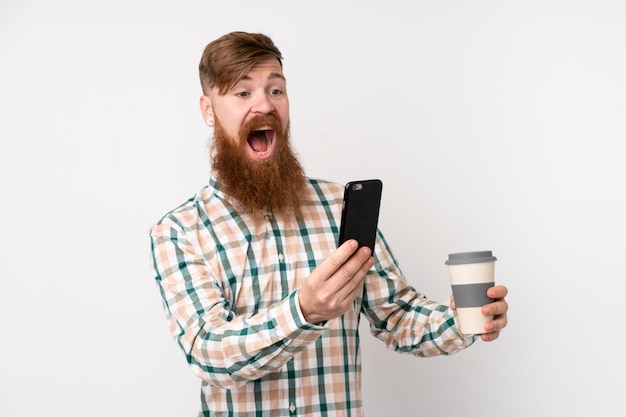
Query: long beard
[[275, 187]]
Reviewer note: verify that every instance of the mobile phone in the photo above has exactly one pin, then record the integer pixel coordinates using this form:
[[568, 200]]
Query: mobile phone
[[359, 213]]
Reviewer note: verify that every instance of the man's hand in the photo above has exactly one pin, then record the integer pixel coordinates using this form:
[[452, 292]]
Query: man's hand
[[499, 310], [332, 287]]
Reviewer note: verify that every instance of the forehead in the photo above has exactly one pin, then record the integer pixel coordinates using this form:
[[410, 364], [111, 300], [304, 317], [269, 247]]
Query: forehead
[[268, 69]]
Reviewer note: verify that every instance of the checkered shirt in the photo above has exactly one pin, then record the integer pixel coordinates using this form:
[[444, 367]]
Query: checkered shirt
[[230, 292]]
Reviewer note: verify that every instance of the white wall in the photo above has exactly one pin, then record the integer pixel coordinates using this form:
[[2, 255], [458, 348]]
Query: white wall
[[493, 124]]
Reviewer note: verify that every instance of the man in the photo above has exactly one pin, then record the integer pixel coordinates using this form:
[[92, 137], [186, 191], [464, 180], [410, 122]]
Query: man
[[258, 296]]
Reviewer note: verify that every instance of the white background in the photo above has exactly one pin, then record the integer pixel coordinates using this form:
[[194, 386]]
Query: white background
[[493, 124]]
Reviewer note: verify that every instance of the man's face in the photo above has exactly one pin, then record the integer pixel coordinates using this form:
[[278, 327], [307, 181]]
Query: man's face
[[261, 92], [251, 153]]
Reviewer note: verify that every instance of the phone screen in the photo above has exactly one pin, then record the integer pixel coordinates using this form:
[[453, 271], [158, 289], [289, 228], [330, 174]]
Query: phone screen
[[359, 216]]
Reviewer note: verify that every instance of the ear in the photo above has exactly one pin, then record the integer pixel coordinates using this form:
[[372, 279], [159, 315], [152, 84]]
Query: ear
[[206, 109]]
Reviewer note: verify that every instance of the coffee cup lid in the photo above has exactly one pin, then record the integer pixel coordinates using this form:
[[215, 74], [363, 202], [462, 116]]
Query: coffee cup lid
[[470, 257]]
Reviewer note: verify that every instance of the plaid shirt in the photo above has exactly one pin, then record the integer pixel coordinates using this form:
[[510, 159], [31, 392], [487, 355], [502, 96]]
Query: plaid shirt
[[230, 292]]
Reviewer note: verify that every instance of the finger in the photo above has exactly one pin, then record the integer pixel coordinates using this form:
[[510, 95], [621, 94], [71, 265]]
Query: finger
[[352, 273], [336, 260], [496, 308], [496, 325], [357, 289], [497, 292], [490, 337]]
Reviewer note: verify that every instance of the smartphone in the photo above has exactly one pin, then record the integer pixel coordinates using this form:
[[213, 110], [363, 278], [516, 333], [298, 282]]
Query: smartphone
[[359, 214]]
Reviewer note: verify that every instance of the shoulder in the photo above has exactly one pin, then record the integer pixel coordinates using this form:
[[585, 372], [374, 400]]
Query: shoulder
[[185, 216], [326, 190]]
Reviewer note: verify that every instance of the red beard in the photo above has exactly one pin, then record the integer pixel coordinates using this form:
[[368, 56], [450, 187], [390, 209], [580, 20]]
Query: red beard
[[276, 186]]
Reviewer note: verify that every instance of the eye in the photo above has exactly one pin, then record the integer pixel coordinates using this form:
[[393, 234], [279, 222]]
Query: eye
[[276, 92], [242, 94]]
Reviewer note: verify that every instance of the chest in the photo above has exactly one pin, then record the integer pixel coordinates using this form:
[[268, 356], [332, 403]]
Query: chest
[[267, 262]]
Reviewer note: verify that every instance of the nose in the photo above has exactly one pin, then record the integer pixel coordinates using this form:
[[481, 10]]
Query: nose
[[263, 105]]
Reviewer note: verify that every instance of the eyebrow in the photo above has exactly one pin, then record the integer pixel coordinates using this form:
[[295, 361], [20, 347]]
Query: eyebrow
[[272, 76]]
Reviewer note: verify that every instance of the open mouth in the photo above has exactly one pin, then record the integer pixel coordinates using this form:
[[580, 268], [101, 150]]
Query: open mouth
[[261, 141]]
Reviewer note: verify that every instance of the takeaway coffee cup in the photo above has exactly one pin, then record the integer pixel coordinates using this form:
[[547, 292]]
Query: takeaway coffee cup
[[471, 274]]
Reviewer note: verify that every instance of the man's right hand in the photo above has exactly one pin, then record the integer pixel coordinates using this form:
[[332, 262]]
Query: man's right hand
[[332, 287]]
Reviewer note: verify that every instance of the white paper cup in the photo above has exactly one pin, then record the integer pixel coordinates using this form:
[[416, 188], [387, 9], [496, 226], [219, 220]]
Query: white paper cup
[[471, 274]]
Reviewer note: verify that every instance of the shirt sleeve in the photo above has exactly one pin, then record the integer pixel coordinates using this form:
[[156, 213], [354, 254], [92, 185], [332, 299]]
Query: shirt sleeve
[[403, 318], [222, 348]]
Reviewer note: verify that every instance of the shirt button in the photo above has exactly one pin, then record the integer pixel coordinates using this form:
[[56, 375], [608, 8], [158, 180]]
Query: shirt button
[[281, 258], [292, 407]]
